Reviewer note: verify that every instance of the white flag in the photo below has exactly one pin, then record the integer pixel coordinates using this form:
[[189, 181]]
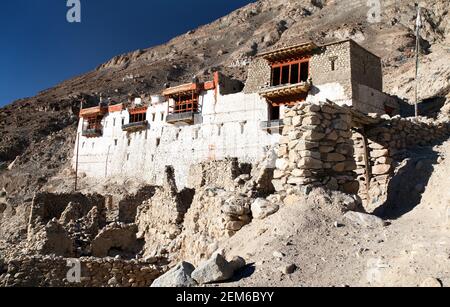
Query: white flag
[[419, 19]]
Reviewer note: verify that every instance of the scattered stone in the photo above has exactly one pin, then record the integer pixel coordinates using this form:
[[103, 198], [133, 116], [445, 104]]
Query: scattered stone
[[179, 276], [288, 269], [262, 208], [366, 220], [278, 255]]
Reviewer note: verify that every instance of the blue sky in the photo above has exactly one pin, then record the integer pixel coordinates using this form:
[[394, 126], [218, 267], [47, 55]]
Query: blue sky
[[39, 48]]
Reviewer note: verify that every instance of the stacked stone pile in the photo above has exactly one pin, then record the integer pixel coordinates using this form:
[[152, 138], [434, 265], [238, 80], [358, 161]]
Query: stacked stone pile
[[316, 149]]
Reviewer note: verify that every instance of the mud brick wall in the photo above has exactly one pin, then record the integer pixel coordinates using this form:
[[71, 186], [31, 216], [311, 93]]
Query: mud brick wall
[[50, 271], [316, 149]]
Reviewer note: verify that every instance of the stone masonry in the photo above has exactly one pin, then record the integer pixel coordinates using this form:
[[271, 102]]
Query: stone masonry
[[316, 149]]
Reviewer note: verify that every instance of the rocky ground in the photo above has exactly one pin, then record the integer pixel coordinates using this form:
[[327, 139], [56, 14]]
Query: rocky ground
[[328, 249]]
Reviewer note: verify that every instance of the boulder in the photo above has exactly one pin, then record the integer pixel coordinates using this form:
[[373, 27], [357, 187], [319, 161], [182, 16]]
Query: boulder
[[216, 269], [262, 208], [177, 277], [366, 220]]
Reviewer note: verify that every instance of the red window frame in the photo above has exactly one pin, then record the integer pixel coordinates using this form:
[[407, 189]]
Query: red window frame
[[276, 80]]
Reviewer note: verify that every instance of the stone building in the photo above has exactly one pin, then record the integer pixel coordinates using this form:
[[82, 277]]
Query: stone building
[[217, 119]]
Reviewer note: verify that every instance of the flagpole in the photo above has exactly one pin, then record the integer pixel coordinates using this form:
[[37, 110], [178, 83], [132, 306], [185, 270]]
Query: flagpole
[[418, 26]]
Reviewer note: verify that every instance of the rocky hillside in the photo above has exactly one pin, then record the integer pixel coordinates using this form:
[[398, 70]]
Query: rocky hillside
[[38, 133]]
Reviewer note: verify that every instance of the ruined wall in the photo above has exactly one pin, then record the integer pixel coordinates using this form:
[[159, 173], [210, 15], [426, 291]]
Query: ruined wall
[[160, 219], [47, 206], [50, 271], [316, 149], [205, 174], [385, 141]]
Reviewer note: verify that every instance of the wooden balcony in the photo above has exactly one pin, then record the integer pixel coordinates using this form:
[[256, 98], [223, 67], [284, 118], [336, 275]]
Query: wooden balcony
[[93, 112], [137, 126], [92, 133], [189, 118]]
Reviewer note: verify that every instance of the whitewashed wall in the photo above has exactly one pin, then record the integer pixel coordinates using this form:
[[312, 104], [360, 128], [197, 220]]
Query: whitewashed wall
[[230, 128]]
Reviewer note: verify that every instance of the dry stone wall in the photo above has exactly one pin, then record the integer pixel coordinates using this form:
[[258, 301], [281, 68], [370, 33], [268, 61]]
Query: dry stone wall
[[316, 149], [51, 271], [385, 140]]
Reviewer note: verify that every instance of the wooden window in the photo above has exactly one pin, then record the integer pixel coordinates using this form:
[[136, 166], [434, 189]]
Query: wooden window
[[290, 72], [183, 103], [304, 71], [138, 117]]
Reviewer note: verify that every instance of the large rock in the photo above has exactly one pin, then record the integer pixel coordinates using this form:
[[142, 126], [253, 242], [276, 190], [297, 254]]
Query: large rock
[[179, 276], [366, 220], [261, 208], [215, 269]]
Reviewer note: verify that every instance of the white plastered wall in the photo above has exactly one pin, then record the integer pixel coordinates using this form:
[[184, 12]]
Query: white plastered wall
[[230, 128]]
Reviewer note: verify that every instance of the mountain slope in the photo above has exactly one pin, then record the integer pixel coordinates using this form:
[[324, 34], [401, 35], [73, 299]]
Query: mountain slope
[[38, 132]]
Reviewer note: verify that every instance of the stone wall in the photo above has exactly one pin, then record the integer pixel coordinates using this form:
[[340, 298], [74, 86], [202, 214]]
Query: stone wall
[[316, 149], [51, 271], [259, 74], [385, 140], [366, 68], [322, 72]]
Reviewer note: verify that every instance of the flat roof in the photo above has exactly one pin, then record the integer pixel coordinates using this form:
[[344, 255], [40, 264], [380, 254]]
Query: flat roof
[[288, 51], [284, 52]]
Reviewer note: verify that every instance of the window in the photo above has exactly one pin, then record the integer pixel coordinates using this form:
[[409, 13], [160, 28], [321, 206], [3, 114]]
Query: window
[[153, 117], [123, 121], [92, 123], [274, 112], [333, 63], [129, 142], [187, 102], [128, 157], [162, 117], [82, 146], [158, 142], [114, 122], [115, 142], [138, 117], [290, 73]]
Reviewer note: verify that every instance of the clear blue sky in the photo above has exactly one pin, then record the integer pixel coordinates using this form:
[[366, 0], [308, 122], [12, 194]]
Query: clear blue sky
[[39, 48]]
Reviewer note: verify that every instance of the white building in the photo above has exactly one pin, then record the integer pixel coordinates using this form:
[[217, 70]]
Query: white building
[[196, 122]]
